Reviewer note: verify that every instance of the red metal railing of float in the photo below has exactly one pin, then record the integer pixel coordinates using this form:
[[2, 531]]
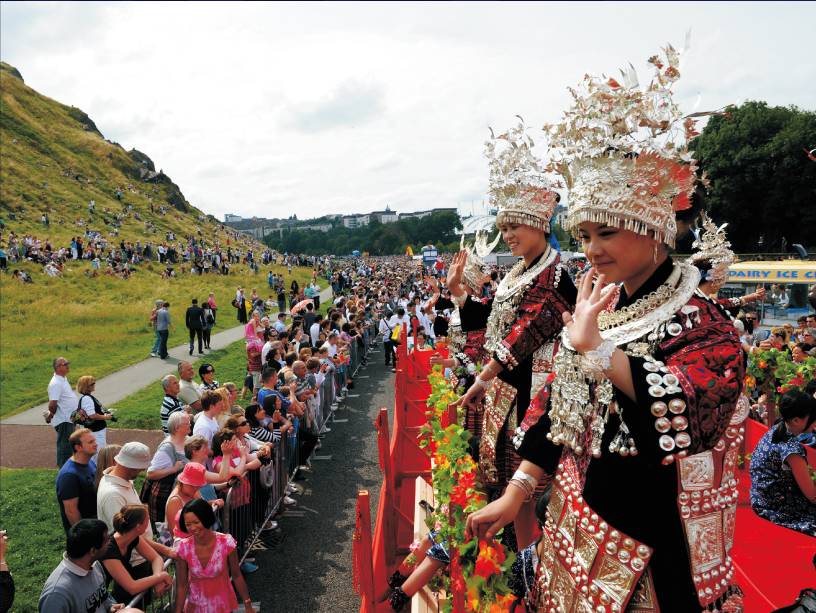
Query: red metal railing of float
[[401, 462], [362, 567], [772, 563]]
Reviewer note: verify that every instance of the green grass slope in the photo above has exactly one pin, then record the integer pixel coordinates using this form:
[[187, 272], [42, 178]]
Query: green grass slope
[[54, 160]]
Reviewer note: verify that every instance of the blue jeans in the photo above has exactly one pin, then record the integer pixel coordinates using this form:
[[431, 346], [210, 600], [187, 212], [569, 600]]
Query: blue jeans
[[156, 343]]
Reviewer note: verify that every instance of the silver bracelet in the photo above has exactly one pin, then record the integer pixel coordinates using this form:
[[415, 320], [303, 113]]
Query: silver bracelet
[[483, 383], [522, 485], [527, 478], [596, 361]]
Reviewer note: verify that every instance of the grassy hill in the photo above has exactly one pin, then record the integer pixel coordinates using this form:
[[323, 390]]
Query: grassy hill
[[54, 160]]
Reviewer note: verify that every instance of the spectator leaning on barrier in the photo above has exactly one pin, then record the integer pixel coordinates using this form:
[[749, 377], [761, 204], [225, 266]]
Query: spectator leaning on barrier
[[130, 523], [116, 490], [206, 424], [189, 393], [78, 583], [168, 461], [76, 487], [61, 403]]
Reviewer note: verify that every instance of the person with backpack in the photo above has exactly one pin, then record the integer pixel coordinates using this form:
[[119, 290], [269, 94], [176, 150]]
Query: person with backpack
[[209, 322]]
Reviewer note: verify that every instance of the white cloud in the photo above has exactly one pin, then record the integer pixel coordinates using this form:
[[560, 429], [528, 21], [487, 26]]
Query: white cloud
[[270, 109]]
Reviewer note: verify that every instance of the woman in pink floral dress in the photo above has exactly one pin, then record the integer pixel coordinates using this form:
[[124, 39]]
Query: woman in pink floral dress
[[206, 562]]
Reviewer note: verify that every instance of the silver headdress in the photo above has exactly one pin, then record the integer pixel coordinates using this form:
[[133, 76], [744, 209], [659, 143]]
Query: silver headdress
[[519, 186], [475, 268], [714, 250], [623, 151]]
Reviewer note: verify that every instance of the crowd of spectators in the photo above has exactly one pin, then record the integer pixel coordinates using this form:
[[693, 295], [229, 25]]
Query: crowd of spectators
[[220, 437]]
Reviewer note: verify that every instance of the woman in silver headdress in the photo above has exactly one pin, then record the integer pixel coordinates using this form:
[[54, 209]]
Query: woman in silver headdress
[[645, 398], [522, 321]]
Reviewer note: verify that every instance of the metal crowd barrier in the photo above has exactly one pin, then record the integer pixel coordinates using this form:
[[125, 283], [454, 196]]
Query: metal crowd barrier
[[157, 604], [247, 512]]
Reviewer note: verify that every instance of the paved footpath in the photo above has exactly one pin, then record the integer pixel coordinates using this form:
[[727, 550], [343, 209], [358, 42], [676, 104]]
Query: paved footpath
[[130, 380]]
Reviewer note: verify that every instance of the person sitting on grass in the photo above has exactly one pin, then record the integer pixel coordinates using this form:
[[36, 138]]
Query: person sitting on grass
[[129, 525]]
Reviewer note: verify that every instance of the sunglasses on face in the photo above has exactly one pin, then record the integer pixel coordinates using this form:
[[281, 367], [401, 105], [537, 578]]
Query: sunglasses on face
[[244, 423]]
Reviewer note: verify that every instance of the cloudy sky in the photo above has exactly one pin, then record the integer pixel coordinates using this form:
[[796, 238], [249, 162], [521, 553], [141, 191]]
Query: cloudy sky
[[315, 108]]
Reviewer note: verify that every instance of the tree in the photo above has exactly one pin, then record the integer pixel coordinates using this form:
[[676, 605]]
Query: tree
[[762, 180], [376, 238]]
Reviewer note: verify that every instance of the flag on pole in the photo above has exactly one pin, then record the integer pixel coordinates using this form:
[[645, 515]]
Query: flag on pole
[[409, 252]]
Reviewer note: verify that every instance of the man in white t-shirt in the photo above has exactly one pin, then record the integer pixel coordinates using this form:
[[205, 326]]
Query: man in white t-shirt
[[62, 401], [314, 329], [401, 319], [206, 424]]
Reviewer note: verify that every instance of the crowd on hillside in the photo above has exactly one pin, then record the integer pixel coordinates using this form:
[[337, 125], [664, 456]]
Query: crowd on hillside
[[98, 241]]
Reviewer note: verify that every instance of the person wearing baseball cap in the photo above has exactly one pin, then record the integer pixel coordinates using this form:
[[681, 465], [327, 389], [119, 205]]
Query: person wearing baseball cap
[[116, 490]]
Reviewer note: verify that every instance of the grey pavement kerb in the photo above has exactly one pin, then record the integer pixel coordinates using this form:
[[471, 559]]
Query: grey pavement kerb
[[131, 379]]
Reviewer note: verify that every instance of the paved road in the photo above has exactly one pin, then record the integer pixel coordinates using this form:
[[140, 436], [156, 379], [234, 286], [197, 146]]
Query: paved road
[[310, 571], [130, 380]]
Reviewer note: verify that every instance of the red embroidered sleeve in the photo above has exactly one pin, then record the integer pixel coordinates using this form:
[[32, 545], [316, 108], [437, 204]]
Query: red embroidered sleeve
[[538, 320], [691, 387]]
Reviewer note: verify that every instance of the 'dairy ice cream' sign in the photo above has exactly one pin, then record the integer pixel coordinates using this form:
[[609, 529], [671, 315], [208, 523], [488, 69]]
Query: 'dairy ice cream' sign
[[789, 271]]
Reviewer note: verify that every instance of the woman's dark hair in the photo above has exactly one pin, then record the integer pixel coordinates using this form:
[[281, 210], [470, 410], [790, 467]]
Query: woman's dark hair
[[794, 404], [130, 516], [224, 434], [83, 536], [202, 370], [201, 509], [251, 414]]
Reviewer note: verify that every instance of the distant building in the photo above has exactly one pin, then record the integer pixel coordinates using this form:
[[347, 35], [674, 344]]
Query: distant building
[[320, 227], [386, 216], [230, 218], [356, 221]]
